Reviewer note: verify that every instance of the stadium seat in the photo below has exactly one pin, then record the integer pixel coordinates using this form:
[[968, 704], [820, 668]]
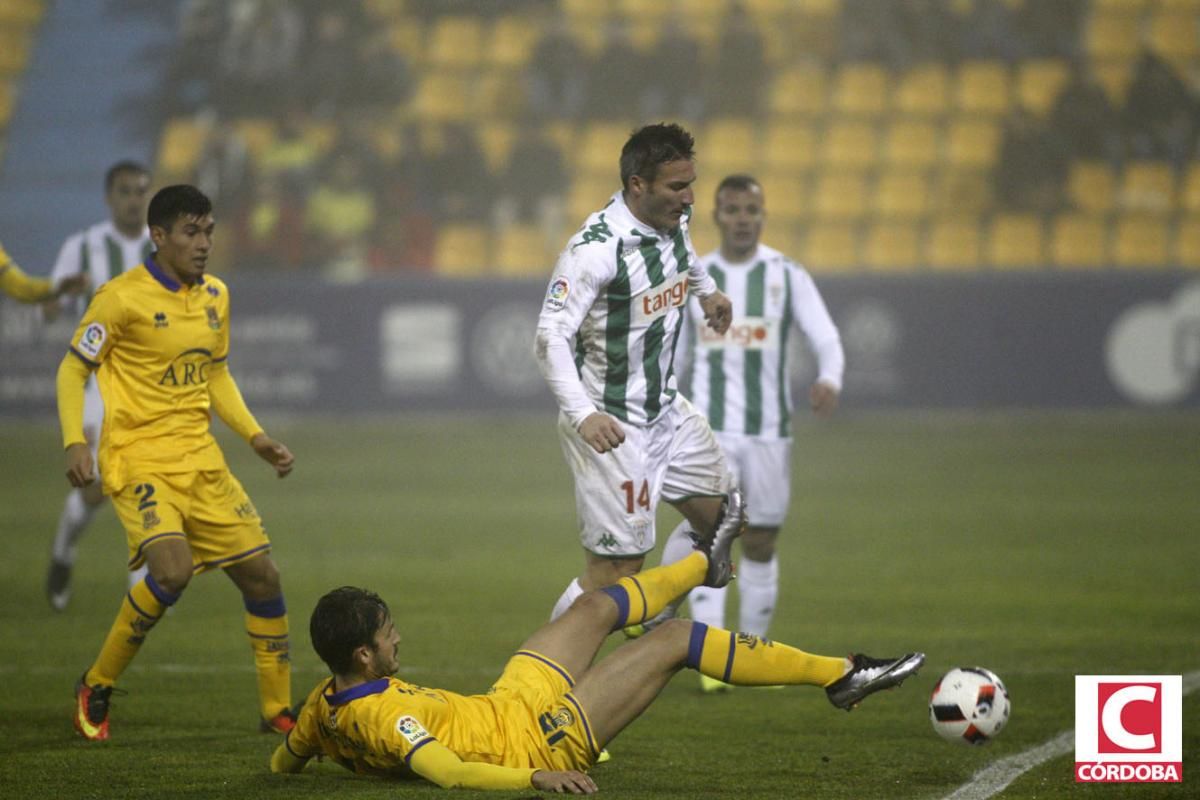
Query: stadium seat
[[1176, 35], [982, 88], [962, 191], [1115, 77], [1079, 241], [442, 97], [8, 100], [973, 143], [786, 197], [729, 145], [179, 148], [511, 41], [786, 238], [455, 41], [911, 143], [258, 133], [600, 146], [1014, 241], [1189, 194], [901, 194], [850, 144], [496, 139], [1141, 241], [521, 250], [831, 248], [1119, 5], [14, 51], [840, 195], [953, 244], [861, 90], [1091, 186], [589, 194], [714, 10], [789, 148], [799, 91], [497, 94], [461, 250], [1147, 186], [892, 247], [1187, 242], [24, 13], [1112, 35], [923, 91], [1039, 82], [407, 37]]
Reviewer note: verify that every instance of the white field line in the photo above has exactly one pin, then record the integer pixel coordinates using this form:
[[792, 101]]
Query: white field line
[[996, 777]]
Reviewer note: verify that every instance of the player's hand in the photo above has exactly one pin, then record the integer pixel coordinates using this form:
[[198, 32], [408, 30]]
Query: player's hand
[[718, 311], [602, 432], [569, 782], [274, 453], [81, 470], [823, 398], [72, 284]]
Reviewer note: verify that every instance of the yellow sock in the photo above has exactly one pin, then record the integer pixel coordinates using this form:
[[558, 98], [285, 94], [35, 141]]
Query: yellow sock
[[640, 597], [747, 660], [267, 626], [143, 606]]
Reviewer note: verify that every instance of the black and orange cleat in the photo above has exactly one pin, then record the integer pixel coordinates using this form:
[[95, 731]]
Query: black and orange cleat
[[283, 722], [91, 710]]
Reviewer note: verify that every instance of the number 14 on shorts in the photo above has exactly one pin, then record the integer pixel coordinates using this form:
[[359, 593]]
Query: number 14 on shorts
[[643, 495]]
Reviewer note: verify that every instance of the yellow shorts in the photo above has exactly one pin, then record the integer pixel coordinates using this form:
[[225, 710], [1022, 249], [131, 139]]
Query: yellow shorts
[[562, 738], [209, 509]]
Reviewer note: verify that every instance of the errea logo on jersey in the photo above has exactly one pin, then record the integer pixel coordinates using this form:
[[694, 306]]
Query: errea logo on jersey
[[1128, 728], [750, 333], [656, 301]]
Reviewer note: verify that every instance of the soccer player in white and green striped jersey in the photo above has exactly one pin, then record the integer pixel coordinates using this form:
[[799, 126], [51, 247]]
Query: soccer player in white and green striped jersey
[[98, 253], [740, 381], [605, 343]]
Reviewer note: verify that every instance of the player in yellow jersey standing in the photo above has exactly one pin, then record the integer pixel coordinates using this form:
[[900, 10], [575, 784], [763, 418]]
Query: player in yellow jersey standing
[[544, 722], [157, 338]]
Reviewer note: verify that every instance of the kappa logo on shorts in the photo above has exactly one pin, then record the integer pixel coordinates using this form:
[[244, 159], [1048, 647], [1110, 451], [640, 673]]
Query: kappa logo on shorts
[[92, 340], [411, 729]]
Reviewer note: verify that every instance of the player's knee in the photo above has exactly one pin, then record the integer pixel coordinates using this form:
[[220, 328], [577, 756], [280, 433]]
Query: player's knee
[[675, 633], [171, 578], [595, 603]]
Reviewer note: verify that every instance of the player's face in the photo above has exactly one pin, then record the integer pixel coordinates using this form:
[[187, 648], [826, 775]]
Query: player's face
[[126, 200], [661, 203], [739, 216], [385, 649], [183, 250]]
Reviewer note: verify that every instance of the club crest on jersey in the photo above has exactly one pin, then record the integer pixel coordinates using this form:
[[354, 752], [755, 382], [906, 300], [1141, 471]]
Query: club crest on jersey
[[557, 294], [92, 340], [656, 301], [214, 291], [214, 321], [411, 729]]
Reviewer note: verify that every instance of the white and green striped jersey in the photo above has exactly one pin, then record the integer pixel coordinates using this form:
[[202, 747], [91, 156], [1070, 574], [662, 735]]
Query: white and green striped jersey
[[101, 252], [740, 380], [610, 322]]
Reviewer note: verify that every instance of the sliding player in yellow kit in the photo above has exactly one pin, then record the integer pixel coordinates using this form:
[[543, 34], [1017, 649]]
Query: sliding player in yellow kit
[[157, 337], [545, 721]]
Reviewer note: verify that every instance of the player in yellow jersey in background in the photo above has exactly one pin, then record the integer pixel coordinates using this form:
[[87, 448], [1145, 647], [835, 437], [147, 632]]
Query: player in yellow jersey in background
[[157, 338], [28, 289], [545, 721]]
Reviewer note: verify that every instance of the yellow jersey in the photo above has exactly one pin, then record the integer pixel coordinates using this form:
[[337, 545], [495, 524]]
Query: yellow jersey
[[154, 342]]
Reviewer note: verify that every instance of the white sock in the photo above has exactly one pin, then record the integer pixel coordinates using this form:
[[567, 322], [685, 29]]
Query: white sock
[[136, 575], [71, 522], [708, 605], [758, 589], [569, 595]]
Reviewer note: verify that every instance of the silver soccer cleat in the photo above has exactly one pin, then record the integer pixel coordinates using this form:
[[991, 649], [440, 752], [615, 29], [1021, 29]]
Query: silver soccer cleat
[[729, 526], [869, 675]]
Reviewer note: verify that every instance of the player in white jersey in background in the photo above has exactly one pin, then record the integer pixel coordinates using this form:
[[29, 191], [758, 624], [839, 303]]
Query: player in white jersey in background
[[605, 343], [99, 252], [740, 381]]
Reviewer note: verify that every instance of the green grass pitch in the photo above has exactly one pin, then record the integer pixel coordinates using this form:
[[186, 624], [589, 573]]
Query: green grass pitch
[[1038, 545]]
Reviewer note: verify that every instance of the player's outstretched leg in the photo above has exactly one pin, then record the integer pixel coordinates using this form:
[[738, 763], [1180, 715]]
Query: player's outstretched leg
[[719, 542], [868, 675]]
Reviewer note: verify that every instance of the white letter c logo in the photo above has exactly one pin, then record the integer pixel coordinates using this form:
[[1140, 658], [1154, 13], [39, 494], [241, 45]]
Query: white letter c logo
[[1110, 717]]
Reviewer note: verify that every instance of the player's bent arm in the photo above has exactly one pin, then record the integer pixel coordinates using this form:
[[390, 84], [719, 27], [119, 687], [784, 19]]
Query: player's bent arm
[[284, 760], [439, 764], [229, 404], [73, 373], [557, 365], [19, 286]]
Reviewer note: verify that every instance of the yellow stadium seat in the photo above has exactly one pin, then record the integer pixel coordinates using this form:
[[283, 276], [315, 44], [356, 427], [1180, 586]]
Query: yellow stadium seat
[[442, 97], [841, 195], [1039, 82], [1015, 241], [649, 13], [1179, 5], [1189, 194], [706, 238], [496, 140], [861, 89], [8, 101], [800, 91], [1079, 241], [258, 133], [498, 94], [1092, 186], [407, 37], [704, 9], [962, 191], [850, 143], [911, 143], [14, 51], [1115, 76], [1119, 6], [831, 248], [892, 246], [1187, 242], [728, 145], [461, 250], [1147, 186], [785, 238], [1111, 35], [511, 41], [786, 199], [973, 143], [588, 195], [521, 250], [789, 148], [455, 41], [1141, 241], [600, 147], [819, 8], [923, 91], [1176, 35], [982, 88], [23, 13], [182, 140], [953, 244], [902, 194]]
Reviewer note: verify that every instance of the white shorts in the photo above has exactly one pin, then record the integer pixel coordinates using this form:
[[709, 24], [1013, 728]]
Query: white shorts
[[93, 416], [763, 468], [617, 493]]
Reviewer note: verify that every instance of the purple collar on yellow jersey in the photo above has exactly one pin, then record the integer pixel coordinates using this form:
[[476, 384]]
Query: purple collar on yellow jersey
[[166, 280], [355, 692]]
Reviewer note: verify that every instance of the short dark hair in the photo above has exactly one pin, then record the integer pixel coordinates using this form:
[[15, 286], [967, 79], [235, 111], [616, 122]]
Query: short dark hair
[[739, 182], [652, 145], [344, 620], [110, 177], [172, 202]]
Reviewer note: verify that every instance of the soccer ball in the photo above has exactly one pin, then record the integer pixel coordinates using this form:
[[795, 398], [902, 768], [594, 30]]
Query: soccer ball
[[969, 705]]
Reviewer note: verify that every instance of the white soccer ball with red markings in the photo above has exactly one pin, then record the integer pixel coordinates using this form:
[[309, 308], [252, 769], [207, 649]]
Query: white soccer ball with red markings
[[969, 705]]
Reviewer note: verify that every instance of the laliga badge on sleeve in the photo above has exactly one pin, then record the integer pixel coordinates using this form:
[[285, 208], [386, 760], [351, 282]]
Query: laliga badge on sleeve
[[556, 295], [412, 730], [92, 340]]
